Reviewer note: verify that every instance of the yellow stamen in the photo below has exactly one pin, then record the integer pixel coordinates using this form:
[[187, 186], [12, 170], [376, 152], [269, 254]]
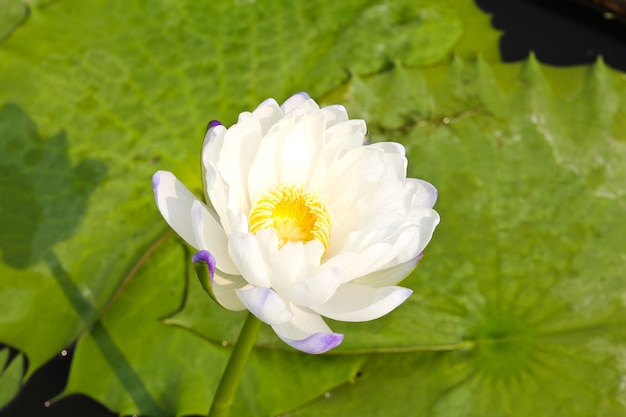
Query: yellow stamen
[[295, 215]]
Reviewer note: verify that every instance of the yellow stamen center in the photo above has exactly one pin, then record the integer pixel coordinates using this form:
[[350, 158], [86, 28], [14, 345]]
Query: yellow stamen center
[[295, 215]]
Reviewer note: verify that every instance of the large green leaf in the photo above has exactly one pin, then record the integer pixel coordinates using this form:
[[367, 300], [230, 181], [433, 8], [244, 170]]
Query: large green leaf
[[527, 267]]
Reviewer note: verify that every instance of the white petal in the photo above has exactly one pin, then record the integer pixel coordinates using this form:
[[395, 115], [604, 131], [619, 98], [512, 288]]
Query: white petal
[[421, 193], [241, 143], [301, 149], [264, 171], [315, 289], [342, 182], [353, 302], [347, 130], [212, 145], [174, 201], [224, 287], [368, 251], [268, 113], [427, 219], [214, 187], [334, 115], [389, 276], [267, 102], [265, 304], [289, 263], [209, 235], [236, 222], [337, 140], [390, 147], [307, 332], [294, 101], [246, 253]]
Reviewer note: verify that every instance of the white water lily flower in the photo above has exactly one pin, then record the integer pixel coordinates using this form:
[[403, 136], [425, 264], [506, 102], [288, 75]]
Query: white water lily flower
[[302, 219]]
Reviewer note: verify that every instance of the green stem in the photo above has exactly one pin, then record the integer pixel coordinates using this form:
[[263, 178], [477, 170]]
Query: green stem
[[225, 394]]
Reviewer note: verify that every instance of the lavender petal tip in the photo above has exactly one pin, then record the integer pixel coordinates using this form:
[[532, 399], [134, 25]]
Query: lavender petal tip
[[205, 257], [317, 343], [155, 181], [214, 123]]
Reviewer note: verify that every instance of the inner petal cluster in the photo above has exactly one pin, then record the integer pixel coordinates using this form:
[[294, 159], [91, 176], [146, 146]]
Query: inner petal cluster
[[295, 215]]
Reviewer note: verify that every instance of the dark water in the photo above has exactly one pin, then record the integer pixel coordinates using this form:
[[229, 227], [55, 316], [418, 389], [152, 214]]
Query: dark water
[[560, 32]]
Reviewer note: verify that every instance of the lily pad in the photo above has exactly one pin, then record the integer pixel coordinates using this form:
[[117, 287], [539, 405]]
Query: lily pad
[[527, 267]]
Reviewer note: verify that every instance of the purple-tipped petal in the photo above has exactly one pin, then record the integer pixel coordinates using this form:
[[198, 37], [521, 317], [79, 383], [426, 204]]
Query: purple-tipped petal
[[204, 265], [205, 257], [307, 332], [219, 286], [268, 102], [294, 101], [155, 182], [210, 236], [214, 123], [423, 193], [316, 343], [265, 304]]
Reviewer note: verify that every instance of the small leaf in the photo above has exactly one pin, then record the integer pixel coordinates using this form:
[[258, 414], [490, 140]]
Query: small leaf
[[10, 376]]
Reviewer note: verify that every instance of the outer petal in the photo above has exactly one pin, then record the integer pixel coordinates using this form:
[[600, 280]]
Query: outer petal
[[370, 251], [353, 302], [265, 304], [421, 193], [246, 253], [307, 332], [389, 276], [241, 143], [209, 235], [224, 287], [174, 201], [268, 113], [427, 220], [301, 149], [294, 101], [221, 287], [214, 186], [334, 114]]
